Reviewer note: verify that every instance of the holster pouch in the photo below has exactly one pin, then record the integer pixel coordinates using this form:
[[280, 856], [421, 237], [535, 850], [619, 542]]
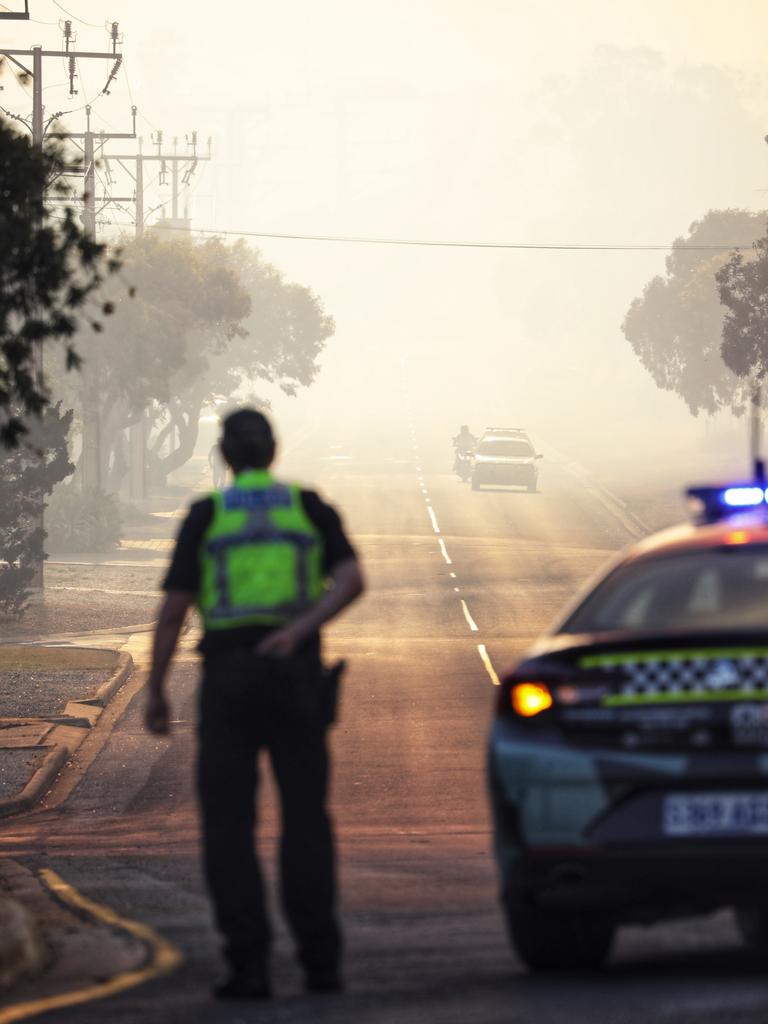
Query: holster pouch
[[331, 686]]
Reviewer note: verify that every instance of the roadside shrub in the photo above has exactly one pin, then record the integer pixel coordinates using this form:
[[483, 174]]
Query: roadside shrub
[[28, 473], [82, 521]]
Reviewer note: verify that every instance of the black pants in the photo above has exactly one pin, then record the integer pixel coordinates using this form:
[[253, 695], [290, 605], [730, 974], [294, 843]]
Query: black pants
[[249, 703]]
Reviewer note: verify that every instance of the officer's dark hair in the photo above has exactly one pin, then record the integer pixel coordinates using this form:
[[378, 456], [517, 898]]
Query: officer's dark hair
[[247, 441]]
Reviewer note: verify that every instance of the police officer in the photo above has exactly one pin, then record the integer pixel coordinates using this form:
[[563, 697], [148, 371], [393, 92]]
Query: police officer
[[257, 558]]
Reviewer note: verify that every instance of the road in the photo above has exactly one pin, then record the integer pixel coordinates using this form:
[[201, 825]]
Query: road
[[453, 573]]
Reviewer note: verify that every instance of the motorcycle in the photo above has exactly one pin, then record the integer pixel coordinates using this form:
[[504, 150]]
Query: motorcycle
[[462, 465]]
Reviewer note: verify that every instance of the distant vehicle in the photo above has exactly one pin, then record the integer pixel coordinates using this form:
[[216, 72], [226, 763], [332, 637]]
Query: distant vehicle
[[629, 756], [505, 455]]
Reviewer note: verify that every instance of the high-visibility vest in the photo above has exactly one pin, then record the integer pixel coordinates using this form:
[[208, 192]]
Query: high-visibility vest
[[261, 557]]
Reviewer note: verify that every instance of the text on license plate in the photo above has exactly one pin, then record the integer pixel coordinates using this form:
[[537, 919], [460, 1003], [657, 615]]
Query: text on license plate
[[715, 814]]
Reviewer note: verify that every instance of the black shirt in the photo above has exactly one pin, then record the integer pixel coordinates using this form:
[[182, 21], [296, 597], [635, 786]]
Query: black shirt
[[184, 573]]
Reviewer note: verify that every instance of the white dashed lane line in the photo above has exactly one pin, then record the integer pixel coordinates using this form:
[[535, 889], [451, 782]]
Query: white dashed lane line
[[470, 621], [481, 648], [486, 660]]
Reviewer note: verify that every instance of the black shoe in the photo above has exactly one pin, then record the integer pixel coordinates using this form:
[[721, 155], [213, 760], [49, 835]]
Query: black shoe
[[324, 981], [248, 984]]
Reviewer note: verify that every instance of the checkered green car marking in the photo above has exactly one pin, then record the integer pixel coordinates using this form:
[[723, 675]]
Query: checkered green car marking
[[695, 675], [558, 789]]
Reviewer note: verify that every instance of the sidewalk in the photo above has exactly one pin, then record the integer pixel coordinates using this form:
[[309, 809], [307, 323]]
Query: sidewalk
[[60, 665], [50, 697]]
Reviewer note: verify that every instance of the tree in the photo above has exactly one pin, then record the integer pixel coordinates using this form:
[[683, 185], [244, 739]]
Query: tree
[[49, 272], [743, 286], [279, 342], [28, 473], [49, 269], [207, 318], [186, 298], [675, 327]]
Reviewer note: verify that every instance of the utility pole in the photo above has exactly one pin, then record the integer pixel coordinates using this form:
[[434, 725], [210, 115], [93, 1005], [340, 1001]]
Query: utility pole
[[91, 446], [756, 431], [38, 127], [139, 182], [180, 174], [186, 164], [92, 143], [37, 54]]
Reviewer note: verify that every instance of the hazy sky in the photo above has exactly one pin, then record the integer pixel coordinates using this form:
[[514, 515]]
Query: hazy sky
[[566, 121]]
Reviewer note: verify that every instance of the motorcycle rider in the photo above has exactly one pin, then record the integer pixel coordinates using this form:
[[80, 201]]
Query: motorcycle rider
[[464, 441]]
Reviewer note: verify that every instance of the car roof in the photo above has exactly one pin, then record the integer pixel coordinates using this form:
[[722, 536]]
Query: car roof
[[517, 436], [742, 530]]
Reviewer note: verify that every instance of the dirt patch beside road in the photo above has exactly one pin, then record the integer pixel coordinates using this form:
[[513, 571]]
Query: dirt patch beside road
[[38, 681]]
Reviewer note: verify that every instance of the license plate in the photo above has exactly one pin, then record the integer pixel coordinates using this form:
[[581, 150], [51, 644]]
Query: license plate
[[715, 814]]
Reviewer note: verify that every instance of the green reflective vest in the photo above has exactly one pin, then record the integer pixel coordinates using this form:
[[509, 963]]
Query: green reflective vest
[[261, 557]]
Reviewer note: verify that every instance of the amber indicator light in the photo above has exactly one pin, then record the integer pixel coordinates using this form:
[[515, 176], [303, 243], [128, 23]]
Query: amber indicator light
[[529, 699], [737, 537]]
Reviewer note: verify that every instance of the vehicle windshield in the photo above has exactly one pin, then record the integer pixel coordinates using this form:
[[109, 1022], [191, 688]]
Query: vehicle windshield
[[505, 447], [720, 589]]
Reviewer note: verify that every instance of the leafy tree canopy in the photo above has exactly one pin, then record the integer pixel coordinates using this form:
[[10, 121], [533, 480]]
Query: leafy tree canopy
[[675, 327], [743, 287], [48, 270], [206, 319]]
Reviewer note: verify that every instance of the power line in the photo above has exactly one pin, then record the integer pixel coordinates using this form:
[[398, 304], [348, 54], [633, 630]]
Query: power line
[[445, 244], [90, 24], [130, 97]]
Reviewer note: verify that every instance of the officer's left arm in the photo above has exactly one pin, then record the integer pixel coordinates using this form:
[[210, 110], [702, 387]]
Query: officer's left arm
[[173, 611], [348, 583]]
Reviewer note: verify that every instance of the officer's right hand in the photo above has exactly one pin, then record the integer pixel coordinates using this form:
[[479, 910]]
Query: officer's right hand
[[280, 643], [157, 715]]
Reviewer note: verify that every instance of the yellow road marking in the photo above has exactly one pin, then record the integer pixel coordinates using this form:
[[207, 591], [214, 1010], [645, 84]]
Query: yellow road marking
[[164, 957]]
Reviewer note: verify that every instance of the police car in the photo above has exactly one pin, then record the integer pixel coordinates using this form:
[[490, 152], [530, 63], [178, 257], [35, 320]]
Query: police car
[[628, 759], [505, 455]]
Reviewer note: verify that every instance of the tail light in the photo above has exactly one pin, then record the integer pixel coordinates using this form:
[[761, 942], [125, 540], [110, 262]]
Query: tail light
[[529, 699]]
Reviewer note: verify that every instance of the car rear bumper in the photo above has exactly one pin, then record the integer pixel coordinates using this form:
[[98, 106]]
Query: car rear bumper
[[643, 883], [505, 473], [584, 828], [566, 794]]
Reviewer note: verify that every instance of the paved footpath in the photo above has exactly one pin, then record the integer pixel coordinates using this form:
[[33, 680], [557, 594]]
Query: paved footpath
[[55, 687]]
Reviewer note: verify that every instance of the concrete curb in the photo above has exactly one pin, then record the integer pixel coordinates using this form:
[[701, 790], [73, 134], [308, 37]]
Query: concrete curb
[[54, 639], [122, 670], [57, 755], [39, 784], [22, 950]]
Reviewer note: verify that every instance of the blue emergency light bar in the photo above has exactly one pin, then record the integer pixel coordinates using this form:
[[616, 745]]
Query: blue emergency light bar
[[711, 504]]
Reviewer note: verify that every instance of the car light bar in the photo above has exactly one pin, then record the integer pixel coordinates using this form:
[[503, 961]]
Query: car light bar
[[711, 504], [742, 497]]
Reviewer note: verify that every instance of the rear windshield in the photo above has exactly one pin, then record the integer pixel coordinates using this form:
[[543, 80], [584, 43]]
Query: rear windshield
[[517, 449], [720, 589]]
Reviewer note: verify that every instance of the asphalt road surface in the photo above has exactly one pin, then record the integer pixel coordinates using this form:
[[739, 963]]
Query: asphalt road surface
[[460, 582]]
